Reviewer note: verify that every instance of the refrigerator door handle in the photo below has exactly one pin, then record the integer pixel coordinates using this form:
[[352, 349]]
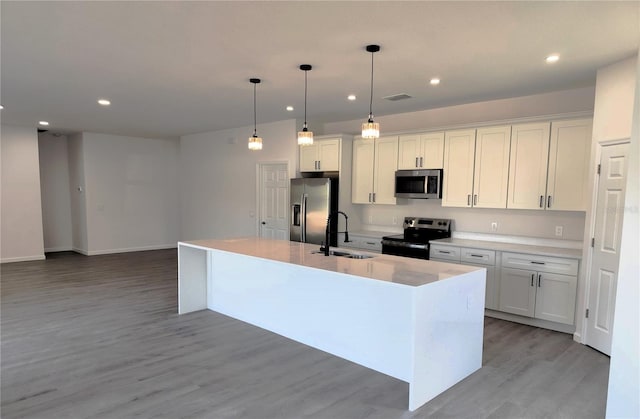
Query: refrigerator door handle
[[303, 219]]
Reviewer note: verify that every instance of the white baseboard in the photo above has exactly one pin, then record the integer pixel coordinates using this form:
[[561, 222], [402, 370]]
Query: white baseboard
[[23, 259], [58, 249], [130, 249], [81, 251]]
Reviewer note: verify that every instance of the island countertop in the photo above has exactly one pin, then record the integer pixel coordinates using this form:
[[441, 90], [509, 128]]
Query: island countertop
[[400, 270]]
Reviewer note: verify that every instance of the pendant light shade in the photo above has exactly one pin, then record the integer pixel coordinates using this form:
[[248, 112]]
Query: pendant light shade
[[371, 129], [255, 142], [305, 137]]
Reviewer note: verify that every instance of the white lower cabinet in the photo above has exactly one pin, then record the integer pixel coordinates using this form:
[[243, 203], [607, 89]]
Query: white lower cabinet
[[362, 242], [547, 290], [472, 257]]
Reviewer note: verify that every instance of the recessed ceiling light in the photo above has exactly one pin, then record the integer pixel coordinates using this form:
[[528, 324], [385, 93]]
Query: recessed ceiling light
[[552, 58], [289, 108], [351, 97], [43, 123], [434, 81], [104, 102], [1, 107]]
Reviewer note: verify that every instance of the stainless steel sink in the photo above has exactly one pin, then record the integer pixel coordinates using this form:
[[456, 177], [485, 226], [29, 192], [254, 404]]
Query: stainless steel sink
[[344, 254]]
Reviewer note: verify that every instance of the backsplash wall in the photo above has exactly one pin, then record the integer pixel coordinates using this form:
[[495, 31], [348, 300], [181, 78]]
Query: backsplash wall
[[529, 223]]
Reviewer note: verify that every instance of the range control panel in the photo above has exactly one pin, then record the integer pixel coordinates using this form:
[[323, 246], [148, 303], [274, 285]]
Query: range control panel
[[427, 223]]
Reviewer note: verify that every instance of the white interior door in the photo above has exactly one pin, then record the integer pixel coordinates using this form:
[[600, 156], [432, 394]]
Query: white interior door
[[606, 249], [274, 201]]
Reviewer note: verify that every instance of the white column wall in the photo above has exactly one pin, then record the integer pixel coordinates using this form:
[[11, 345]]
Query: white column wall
[[131, 193], [77, 195], [218, 179], [21, 236]]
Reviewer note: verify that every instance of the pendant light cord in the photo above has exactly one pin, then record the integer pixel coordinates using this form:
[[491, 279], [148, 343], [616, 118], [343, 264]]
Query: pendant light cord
[[255, 126], [371, 97], [305, 98]]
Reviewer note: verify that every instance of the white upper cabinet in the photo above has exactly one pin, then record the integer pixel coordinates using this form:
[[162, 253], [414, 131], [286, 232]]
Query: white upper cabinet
[[491, 174], [528, 166], [568, 165], [421, 151], [374, 166], [459, 151], [321, 156], [549, 165]]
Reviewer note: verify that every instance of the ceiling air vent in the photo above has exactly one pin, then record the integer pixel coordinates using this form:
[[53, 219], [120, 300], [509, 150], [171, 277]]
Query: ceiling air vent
[[399, 96]]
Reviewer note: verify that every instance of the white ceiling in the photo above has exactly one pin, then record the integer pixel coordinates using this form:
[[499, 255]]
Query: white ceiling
[[174, 68]]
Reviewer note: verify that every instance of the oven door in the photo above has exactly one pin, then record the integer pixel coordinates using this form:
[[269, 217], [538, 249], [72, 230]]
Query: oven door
[[406, 249]]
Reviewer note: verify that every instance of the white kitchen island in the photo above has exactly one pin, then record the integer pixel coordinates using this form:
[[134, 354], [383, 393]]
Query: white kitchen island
[[416, 320]]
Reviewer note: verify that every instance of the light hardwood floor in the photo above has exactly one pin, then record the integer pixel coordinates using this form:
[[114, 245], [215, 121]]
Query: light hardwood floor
[[99, 337]]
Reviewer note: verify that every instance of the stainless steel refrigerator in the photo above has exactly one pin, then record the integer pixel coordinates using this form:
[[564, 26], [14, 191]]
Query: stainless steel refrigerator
[[312, 200]]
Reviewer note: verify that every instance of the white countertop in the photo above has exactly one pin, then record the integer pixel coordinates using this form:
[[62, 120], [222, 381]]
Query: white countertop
[[400, 270], [512, 247]]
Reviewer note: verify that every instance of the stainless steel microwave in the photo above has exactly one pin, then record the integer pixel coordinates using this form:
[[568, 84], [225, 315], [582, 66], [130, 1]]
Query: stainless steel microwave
[[421, 184]]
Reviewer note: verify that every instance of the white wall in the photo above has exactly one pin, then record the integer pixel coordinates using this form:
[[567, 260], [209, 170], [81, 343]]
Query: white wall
[[20, 203], [575, 100], [76, 190], [54, 189], [131, 193], [623, 399], [218, 178]]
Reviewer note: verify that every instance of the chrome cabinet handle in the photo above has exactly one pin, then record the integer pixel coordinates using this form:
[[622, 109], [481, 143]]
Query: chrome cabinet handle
[[541, 201], [443, 251], [374, 197], [549, 201], [475, 199], [537, 263], [532, 275], [417, 162], [420, 161], [476, 256], [318, 164], [369, 196], [539, 276], [469, 200]]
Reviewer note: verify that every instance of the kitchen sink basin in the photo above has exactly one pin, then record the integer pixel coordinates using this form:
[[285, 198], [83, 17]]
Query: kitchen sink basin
[[344, 254]]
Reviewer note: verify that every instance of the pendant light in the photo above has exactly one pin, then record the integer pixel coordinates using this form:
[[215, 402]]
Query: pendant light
[[255, 142], [370, 129], [305, 137]]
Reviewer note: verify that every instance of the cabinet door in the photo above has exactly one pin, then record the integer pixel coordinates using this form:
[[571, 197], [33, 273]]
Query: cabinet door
[[309, 158], [432, 150], [517, 291], [329, 155], [362, 171], [491, 175], [568, 165], [409, 152], [555, 297], [528, 166], [459, 149], [384, 173]]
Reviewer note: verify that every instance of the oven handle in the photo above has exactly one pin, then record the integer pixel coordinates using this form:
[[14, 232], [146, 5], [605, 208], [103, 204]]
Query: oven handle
[[392, 243]]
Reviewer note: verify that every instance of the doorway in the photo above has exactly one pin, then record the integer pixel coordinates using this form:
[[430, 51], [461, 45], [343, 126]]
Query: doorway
[[273, 200], [605, 257]]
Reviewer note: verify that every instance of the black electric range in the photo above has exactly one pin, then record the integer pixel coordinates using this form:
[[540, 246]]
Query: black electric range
[[414, 242]]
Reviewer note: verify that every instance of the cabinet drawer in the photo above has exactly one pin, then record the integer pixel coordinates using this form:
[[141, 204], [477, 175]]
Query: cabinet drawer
[[362, 242], [540, 263], [444, 252], [479, 256]]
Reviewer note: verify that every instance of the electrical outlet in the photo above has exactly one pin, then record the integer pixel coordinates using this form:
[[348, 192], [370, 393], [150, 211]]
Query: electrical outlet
[[559, 231], [395, 220], [371, 219], [494, 226]]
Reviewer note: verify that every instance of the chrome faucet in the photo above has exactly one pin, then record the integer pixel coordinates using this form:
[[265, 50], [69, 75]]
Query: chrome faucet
[[346, 230]]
